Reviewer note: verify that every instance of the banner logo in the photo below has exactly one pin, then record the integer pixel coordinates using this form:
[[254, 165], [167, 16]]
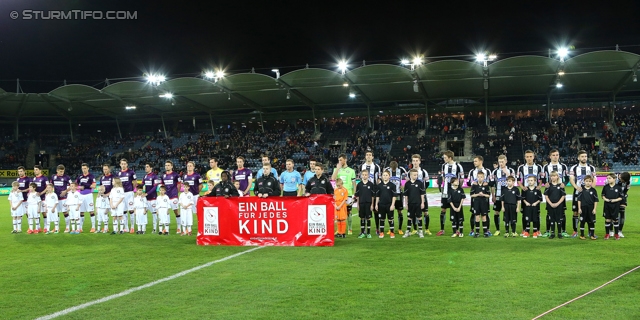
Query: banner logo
[[211, 221], [317, 220]]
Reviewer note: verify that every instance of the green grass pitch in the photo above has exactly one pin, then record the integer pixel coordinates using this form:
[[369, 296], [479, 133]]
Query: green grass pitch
[[430, 278]]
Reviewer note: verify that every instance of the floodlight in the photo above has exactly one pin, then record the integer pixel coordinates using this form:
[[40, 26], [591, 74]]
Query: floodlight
[[156, 79], [492, 57], [352, 95], [481, 57], [342, 65], [277, 71], [563, 53], [417, 61], [130, 107], [559, 85], [404, 62], [561, 73], [167, 95], [346, 84], [209, 75], [219, 74]]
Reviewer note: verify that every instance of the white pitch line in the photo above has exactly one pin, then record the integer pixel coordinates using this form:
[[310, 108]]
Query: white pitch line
[[584, 295], [144, 286]]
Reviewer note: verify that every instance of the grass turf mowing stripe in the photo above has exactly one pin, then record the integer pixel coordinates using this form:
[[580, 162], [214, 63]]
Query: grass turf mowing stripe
[[144, 286], [584, 295]]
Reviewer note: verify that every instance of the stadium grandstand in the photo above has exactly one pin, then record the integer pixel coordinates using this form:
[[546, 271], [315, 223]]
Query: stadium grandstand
[[486, 107]]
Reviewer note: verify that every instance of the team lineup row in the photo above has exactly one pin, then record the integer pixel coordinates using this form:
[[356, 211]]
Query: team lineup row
[[159, 194]]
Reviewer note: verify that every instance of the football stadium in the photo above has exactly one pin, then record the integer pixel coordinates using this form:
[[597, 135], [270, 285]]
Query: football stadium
[[462, 185]]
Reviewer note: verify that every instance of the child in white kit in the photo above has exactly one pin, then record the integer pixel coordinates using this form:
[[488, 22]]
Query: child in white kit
[[186, 204], [102, 207], [163, 204], [51, 204], [74, 201], [33, 207], [140, 207], [117, 205], [15, 200]]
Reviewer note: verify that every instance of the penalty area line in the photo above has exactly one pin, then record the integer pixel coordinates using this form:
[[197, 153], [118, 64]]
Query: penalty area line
[[584, 295], [144, 286]]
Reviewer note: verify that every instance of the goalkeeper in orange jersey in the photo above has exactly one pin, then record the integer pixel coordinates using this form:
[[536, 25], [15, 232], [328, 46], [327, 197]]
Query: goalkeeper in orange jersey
[[340, 195]]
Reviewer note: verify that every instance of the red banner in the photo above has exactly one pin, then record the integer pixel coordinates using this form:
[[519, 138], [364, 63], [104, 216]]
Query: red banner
[[274, 221]]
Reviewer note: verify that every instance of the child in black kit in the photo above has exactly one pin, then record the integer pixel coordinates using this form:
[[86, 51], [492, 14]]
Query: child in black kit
[[531, 199], [414, 197], [510, 207], [365, 196], [587, 205], [555, 196], [456, 196], [481, 193]]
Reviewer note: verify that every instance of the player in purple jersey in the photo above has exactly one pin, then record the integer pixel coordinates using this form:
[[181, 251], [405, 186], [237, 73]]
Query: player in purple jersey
[[194, 181], [106, 180], [23, 186], [151, 182], [60, 183], [171, 181], [86, 183], [41, 184], [243, 175], [128, 178]]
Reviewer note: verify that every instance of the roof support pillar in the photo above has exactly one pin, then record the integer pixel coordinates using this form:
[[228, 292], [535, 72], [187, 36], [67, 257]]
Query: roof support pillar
[[313, 113], [426, 116], [261, 122], [549, 107], [17, 124], [213, 131], [164, 127], [71, 130], [118, 124]]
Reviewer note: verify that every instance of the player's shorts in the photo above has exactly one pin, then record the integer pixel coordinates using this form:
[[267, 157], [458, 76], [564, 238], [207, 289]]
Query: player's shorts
[[33, 211], [151, 206], [480, 213], [163, 216], [555, 214], [414, 211], [103, 215], [128, 201], [289, 193], [87, 203], [398, 204], [53, 216], [24, 206], [510, 212], [445, 203], [456, 216], [611, 211], [74, 214], [42, 207], [364, 210], [62, 205], [349, 204], [186, 218], [18, 212], [587, 214], [141, 216], [384, 212], [174, 204], [531, 214], [194, 207], [119, 210], [497, 205]]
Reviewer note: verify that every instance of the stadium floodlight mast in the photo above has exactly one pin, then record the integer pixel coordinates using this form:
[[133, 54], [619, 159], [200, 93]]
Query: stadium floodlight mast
[[484, 58], [417, 61], [562, 53], [156, 79], [342, 66]]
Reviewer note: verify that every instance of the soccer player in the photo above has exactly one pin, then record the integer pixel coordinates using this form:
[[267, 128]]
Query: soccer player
[[23, 187], [310, 173], [214, 173], [587, 206], [450, 169], [374, 174], [455, 200], [531, 198], [290, 181], [612, 195], [340, 196], [423, 177], [577, 174], [86, 183], [140, 207], [186, 205], [163, 204], [194, 181], [151, 182], [555, 196], [510, 206], [473, 179], [384, 203], [563, 175], [41, 184], [397, 175], [365, 196], [15, 201], [171, 182], [624, 181], [225, 188], [265, 160], [102, 208], [319, 183], [60, 183], [51, 204], [74, 202], [481, 205], [243, 175], [117, 198], [348, 176], [267, 184], [414, 195], [128, 178], [529, 169], [106, 181], [33, 207]]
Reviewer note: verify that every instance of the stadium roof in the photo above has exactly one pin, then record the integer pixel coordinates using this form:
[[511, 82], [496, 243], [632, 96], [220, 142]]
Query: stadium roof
[[517, 80]]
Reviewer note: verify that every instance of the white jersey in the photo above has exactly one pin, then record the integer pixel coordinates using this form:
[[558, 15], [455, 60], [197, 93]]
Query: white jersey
[[140, 203], [51, 201], [499, 179], [102, 202], [33, 198], [560, 168], [163, 202], [423, 176], [525, 171], [450, 170], [15, 198], [186, 198], [397, 176], [473, 175], [374, 171], [116, 195], [579, 172], [73, 198]]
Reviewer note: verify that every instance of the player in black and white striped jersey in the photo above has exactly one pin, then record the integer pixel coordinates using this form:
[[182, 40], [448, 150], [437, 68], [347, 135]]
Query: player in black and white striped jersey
[[472, 179], [423, 176], [498, 183], [450, 169], [563, 178], [577, 173], [397, 175], [529, 169], [375, 173]]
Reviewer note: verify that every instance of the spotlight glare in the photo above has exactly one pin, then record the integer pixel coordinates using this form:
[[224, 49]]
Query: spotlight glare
[[342, 65], [352, 95], [156, 79], [480, 57], [167, 95], [404, 62], [563, 52], [209, 75], [561, 73], [492, 57], [219, 74], [130, 107], [417, 61], [559, 85], [346, 84]]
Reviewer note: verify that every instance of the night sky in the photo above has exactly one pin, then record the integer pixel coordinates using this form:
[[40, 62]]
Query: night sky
[[179, 38]]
